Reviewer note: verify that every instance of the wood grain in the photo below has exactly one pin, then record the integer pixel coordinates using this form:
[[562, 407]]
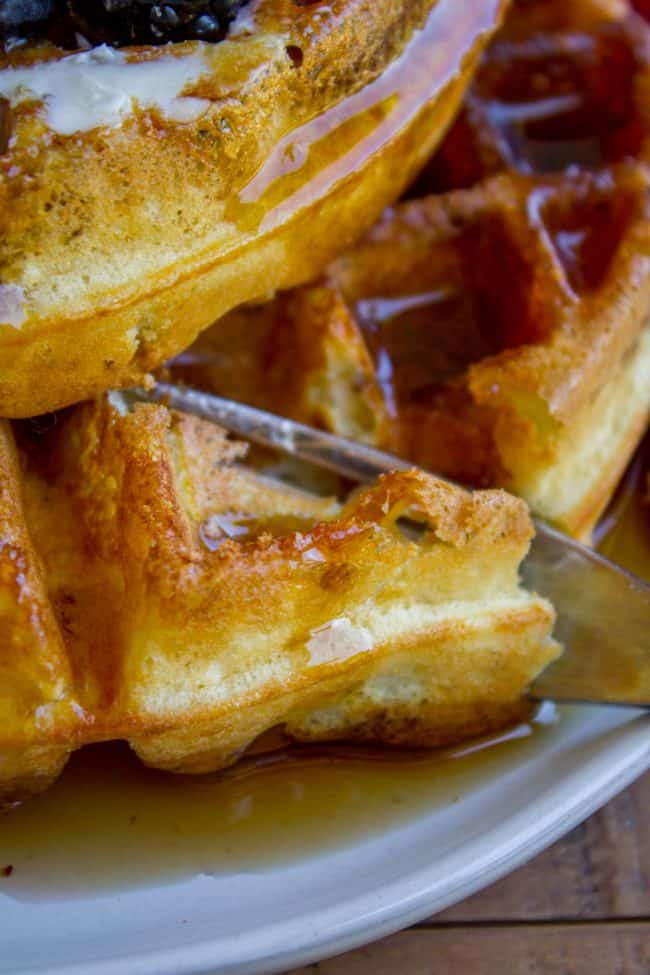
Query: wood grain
[[580, 908], [604, 949], [601, 870]]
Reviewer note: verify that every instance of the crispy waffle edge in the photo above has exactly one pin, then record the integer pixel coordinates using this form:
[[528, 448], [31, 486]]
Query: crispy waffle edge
[[193, 604]]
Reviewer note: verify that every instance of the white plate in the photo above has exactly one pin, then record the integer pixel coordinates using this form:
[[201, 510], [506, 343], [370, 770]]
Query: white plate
[[472, 829]]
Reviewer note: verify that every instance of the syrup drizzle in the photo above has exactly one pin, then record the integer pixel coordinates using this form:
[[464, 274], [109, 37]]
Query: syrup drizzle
[[420, 341], [307, 163]]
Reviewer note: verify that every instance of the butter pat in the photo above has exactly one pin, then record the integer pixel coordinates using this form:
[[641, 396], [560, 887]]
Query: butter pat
[[101, 87], [12, 305], [244, 22], [338, 640]]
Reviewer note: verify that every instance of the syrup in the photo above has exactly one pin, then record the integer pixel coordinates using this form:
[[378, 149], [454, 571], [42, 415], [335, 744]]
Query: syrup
[[419, 341], [624, 531], [553, 109], [306, 165], [110, 824]]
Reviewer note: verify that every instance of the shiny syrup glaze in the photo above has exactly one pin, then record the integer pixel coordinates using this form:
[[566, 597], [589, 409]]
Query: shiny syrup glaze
[[554, 106], [420, 341], [446, 318], [306, 165], [110, 824], [442, 317], [544, 102]]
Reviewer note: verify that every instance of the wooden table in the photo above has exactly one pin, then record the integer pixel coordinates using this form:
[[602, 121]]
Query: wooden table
[[580, 908]]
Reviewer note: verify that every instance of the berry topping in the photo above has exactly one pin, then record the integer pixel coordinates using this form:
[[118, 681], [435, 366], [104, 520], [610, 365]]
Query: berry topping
[[70, 23]]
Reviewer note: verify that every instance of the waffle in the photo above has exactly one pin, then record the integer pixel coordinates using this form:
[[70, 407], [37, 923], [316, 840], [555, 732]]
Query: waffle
[[494, 327], [143, 192], [157, 588]]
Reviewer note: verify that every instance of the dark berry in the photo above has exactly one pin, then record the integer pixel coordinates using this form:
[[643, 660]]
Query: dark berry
[[120, 22], [17, 14], [207, 27], [164, 16]]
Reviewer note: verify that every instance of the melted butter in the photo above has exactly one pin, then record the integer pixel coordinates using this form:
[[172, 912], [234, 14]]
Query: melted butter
[[110, 824], [309, 161], [227, 525], [100, 87]]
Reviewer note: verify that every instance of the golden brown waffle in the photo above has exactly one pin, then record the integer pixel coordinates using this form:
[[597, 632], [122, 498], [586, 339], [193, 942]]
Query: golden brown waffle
[[157, 590], [563, 85], [495, 327], [126, 231]]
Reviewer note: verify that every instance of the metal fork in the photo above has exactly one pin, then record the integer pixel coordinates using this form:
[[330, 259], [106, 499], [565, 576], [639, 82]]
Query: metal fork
[[603, 610]]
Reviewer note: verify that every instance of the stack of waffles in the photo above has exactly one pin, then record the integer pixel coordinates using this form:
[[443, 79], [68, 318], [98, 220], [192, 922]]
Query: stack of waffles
[[157, 587], [495, 326]]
